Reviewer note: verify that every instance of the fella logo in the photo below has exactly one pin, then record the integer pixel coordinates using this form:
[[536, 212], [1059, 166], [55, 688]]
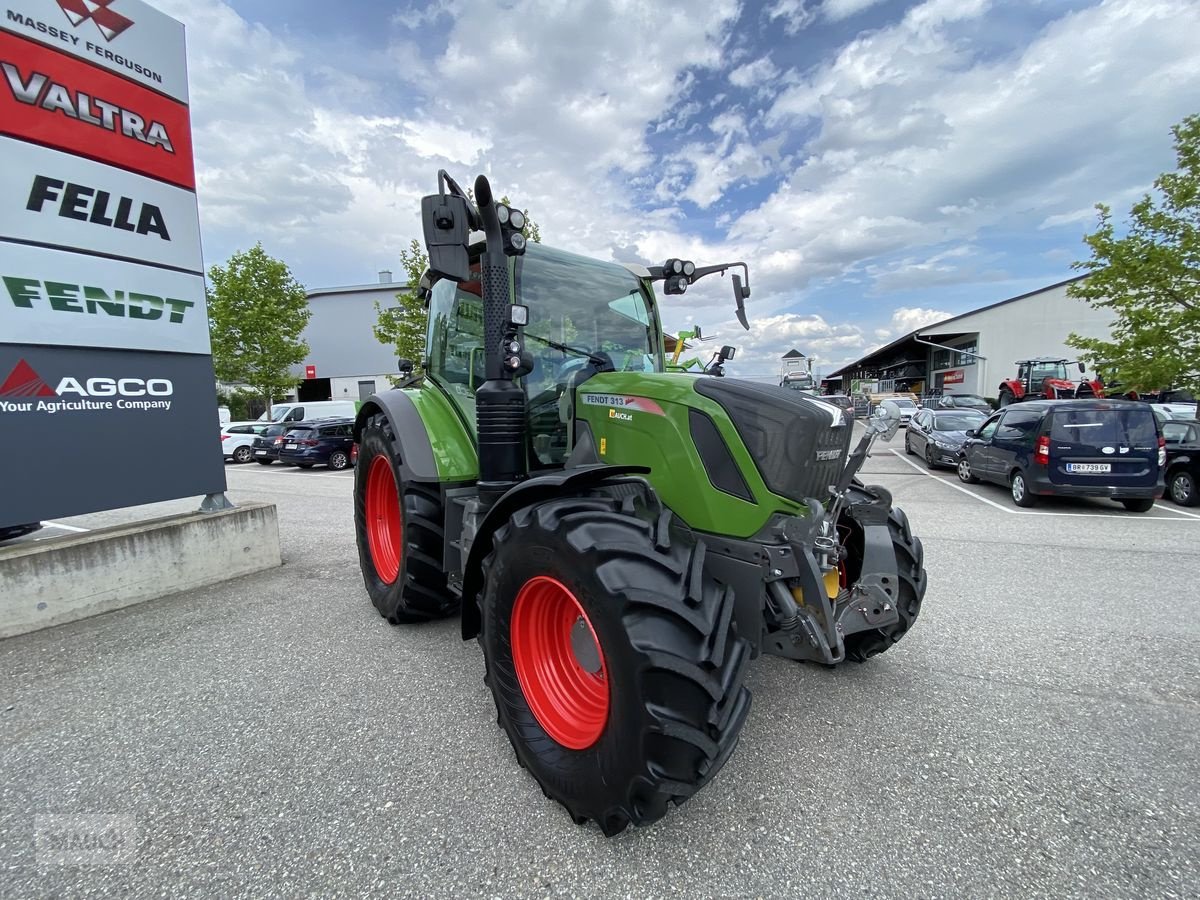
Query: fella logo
[[110, 23], [23, 381]]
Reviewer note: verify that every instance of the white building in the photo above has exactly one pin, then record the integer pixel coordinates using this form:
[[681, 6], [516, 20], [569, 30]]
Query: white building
[[345, 361], [1031, 325]]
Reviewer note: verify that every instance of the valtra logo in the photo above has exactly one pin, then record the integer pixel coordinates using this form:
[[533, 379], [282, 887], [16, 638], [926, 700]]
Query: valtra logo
[[110, 23], [25, 391]]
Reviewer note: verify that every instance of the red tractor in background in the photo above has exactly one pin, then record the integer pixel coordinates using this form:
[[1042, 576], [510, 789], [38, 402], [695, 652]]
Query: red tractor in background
[[1045, 378]]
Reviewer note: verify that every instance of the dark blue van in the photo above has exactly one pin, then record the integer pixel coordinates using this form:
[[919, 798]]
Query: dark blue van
[[1069, 448]]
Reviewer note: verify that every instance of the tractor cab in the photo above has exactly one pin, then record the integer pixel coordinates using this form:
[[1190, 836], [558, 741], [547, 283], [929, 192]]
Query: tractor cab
[[585, 317]]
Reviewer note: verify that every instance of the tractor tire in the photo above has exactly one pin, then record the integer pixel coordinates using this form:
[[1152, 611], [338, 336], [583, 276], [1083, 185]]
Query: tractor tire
[[614, 661], [1005, 399], [910, 565], [398, 527]]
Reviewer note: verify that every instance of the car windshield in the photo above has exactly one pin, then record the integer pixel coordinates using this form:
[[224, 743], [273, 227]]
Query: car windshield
[[1100, 427], [956, 422], [905, 404]]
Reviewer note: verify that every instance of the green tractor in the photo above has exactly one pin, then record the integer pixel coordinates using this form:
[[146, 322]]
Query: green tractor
[[622, 540]]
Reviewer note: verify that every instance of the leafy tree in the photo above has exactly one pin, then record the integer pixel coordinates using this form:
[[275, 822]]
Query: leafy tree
[[1150, 279], [257, 312], [403, 326]]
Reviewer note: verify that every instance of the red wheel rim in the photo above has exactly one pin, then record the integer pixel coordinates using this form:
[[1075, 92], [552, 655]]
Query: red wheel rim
[[385, 531], [569, 701]]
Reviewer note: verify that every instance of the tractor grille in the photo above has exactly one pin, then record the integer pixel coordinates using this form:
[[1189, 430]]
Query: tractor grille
[[797, 447]]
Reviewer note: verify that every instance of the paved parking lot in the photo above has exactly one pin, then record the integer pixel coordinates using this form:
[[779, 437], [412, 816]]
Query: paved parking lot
[[1034, 735]]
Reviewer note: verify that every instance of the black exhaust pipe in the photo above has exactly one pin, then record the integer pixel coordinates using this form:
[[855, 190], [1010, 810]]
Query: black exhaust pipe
[[499, 403]]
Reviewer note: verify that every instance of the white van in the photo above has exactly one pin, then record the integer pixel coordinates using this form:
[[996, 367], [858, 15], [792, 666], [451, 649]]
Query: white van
[[317, 409]]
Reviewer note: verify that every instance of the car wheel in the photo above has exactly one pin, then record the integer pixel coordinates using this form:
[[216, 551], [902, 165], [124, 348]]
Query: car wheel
[[930, 456], [265, 462], [305, 465], [1181, 488], [243, 455], [1021, 494], [339, 460], [908, 445], [965, 474], [1138, 506]]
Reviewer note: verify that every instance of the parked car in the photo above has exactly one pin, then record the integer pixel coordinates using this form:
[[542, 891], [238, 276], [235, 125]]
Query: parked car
[[313, 409], [842, 402], [1069, 448], [964, 401], [236, 440], [938, 434], [266, 444], [11, 532], [1183, 461], [322, 442], [908, 409]]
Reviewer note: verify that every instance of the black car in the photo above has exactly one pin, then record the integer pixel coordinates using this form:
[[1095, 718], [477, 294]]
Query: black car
[[1182, 438], [963, 401], [265, 447], [1069, 448], [319, 442], [938, 434]]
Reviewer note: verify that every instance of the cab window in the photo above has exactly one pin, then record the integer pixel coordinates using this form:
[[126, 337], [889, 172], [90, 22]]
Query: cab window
[[454, 345]]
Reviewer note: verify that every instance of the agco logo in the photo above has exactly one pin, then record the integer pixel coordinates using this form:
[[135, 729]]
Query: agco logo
[[25, 391], [110, 23]]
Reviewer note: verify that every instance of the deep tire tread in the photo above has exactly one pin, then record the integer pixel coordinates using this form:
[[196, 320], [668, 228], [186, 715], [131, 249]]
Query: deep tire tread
[[689, 661], [910, 559]]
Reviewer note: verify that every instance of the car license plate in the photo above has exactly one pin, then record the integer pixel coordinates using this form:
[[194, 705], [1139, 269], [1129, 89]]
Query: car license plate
[[289, 446], [1094, 468], [260, 452]]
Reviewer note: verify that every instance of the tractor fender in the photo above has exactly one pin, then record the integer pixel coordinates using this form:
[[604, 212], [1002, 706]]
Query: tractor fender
[[411, 436], [561, 483]]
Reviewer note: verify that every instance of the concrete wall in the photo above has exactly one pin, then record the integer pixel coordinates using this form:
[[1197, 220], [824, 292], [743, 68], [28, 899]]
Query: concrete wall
[[46, 583], [1037, 325]]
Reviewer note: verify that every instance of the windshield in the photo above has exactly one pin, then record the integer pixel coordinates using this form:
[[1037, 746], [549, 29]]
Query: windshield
[[1042, 371], [905, 404], [956, 422], [586, 305]]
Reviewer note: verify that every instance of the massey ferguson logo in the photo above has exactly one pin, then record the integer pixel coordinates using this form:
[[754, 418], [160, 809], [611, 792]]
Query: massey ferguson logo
[[110, 23], [24, 390]]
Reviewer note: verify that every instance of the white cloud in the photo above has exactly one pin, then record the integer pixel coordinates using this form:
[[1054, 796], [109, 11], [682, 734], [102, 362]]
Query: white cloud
[[836, 10], [755, 73], [795, 15]]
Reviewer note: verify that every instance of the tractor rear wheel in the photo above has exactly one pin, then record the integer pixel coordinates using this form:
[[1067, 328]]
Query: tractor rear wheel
[[398, 527], [910, 558], [614, 662]]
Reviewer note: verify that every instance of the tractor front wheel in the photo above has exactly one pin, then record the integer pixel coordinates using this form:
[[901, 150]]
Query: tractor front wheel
[[910, 559], [398, 527], [614, 662]]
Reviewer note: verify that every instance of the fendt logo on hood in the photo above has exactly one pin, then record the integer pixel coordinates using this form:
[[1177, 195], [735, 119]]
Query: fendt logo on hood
[[30, 393], [110, 23]]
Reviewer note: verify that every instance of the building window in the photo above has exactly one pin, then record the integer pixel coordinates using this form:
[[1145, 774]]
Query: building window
[[947, 359]]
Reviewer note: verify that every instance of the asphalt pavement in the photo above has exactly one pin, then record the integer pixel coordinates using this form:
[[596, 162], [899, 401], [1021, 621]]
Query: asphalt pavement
[[1034, 735]]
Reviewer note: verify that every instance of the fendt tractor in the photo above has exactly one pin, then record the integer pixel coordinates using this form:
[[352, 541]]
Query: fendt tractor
[[1046, 378], [622, 540]]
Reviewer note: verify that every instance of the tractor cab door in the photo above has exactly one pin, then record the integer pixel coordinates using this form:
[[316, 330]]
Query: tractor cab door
[[454, 343]]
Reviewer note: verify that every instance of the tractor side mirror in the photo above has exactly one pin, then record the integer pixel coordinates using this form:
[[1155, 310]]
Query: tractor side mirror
[[405, 366], [886, 420], [740, 293], [446, 220], [728, 352]]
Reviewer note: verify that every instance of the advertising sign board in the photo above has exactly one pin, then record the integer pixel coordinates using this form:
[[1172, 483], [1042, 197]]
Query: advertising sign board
[[107, 395]]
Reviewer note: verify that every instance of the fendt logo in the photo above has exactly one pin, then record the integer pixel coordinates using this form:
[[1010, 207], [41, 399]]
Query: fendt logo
[[30, 393], [110, 23]]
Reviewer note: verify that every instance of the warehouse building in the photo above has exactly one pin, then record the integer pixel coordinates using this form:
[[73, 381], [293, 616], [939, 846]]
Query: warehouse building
[[974, 352], [345, 361]]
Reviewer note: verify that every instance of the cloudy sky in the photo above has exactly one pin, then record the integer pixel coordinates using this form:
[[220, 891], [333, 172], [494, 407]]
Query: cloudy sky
[[879, 164]]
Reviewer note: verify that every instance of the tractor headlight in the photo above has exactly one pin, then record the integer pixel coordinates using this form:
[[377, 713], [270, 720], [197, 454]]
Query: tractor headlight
[[517, 219]]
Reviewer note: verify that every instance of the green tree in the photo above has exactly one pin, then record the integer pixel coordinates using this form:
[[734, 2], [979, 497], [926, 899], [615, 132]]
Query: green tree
[[403, 326], [1150, 279], [257, 312]]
